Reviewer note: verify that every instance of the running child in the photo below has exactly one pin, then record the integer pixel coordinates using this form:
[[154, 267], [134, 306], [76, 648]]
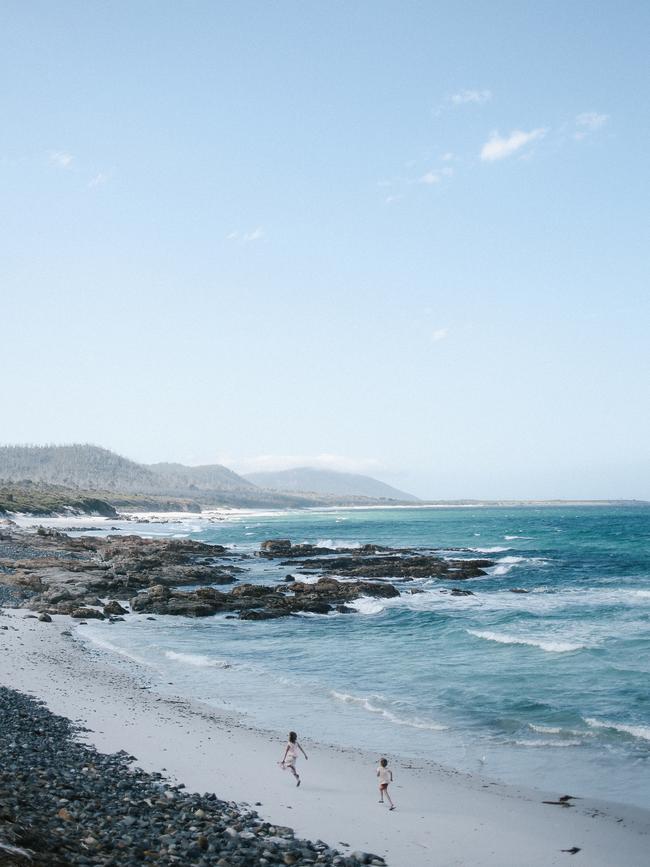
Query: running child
[[385, 777], [291, 755]]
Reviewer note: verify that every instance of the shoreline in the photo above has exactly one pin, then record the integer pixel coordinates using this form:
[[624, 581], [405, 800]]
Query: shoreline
[[442, 815], [224, 513]]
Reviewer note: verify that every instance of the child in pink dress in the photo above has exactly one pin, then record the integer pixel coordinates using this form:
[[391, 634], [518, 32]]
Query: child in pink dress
[[291, 755]]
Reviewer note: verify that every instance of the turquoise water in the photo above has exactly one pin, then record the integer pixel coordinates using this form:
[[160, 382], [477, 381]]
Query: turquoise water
[[547, 688]]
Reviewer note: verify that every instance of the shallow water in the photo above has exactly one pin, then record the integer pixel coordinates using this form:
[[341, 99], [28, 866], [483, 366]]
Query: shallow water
[[547, 688]]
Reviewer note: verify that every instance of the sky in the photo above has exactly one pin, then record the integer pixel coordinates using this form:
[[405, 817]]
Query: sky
[[402, 238]]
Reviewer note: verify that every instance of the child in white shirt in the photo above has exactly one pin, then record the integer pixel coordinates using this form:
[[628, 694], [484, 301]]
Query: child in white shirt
[[385, 777]]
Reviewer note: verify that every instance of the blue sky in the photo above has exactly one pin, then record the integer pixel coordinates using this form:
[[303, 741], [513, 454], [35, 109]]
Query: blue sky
[[403, 238]]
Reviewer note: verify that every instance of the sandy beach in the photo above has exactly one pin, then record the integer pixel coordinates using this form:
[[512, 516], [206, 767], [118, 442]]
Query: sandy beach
[[442, 817]]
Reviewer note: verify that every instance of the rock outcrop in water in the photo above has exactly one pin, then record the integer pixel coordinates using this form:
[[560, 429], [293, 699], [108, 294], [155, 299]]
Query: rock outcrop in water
[[259, 602], [60, 574], [405, 566], [53, 573]]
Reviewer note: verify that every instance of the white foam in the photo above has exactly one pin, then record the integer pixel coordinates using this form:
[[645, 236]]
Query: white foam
[[305, 579], [197, 660], [511, 538], [495, 549], [545, 730], [543, 644], [337, 543], [368, 605], [642, 732], [505, 564], [539, 743], [113, 648], [366, 704]]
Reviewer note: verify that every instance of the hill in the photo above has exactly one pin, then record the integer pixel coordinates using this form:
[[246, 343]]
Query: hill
[[88, 472], [328, 483], [75, 466], [207, 478], [95, 468]]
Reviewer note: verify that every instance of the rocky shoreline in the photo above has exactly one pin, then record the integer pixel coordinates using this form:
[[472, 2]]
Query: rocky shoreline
[[64, 803], [110, 577]]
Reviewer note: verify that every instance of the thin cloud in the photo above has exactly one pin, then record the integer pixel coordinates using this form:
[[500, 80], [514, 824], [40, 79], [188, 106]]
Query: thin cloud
[[99, 180], [262, 463], [592, 120], [588, 123], [439, 334], [61, 159], [498, 148], [465, 97], [246, 237], [434, 176], [256, 235]]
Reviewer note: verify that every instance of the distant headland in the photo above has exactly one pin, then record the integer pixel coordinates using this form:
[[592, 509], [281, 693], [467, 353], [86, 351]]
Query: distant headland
[[89, 479]]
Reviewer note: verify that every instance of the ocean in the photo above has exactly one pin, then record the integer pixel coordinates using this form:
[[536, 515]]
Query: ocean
[[549, 687]]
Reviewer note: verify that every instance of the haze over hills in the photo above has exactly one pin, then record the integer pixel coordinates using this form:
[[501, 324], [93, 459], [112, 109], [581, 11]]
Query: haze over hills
[[88, 466], [211, 477], [96, 472], [317, 481], [75, 466]]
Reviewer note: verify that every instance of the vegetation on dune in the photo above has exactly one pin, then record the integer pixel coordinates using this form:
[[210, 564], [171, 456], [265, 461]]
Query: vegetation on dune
[[41, 499], [33, 498]]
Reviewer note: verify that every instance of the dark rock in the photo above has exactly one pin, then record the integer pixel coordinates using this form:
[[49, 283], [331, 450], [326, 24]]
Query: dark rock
[[455, 591], [250, 591], [315, 607], [114, 608], [404, 566], [276, 547], [340, 590], [255, 614], [87, 613], [161, 600], [45, 618]]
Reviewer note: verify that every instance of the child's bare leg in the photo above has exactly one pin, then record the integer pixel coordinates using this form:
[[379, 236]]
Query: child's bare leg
[[392, 806], [295, 773], [381, 795]]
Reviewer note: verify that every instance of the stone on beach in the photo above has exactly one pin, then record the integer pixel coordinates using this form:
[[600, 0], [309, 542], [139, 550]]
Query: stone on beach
[[64, 803]]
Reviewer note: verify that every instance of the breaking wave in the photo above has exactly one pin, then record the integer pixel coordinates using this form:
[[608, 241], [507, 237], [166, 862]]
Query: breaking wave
[[505, 564], [366, 704], [197, 659], [543, 644], [337, 543], [495, 549], [641, 732], [539, 743]]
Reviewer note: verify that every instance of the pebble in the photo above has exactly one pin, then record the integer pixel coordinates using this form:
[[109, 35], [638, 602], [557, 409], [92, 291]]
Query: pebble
[[66, 804]]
